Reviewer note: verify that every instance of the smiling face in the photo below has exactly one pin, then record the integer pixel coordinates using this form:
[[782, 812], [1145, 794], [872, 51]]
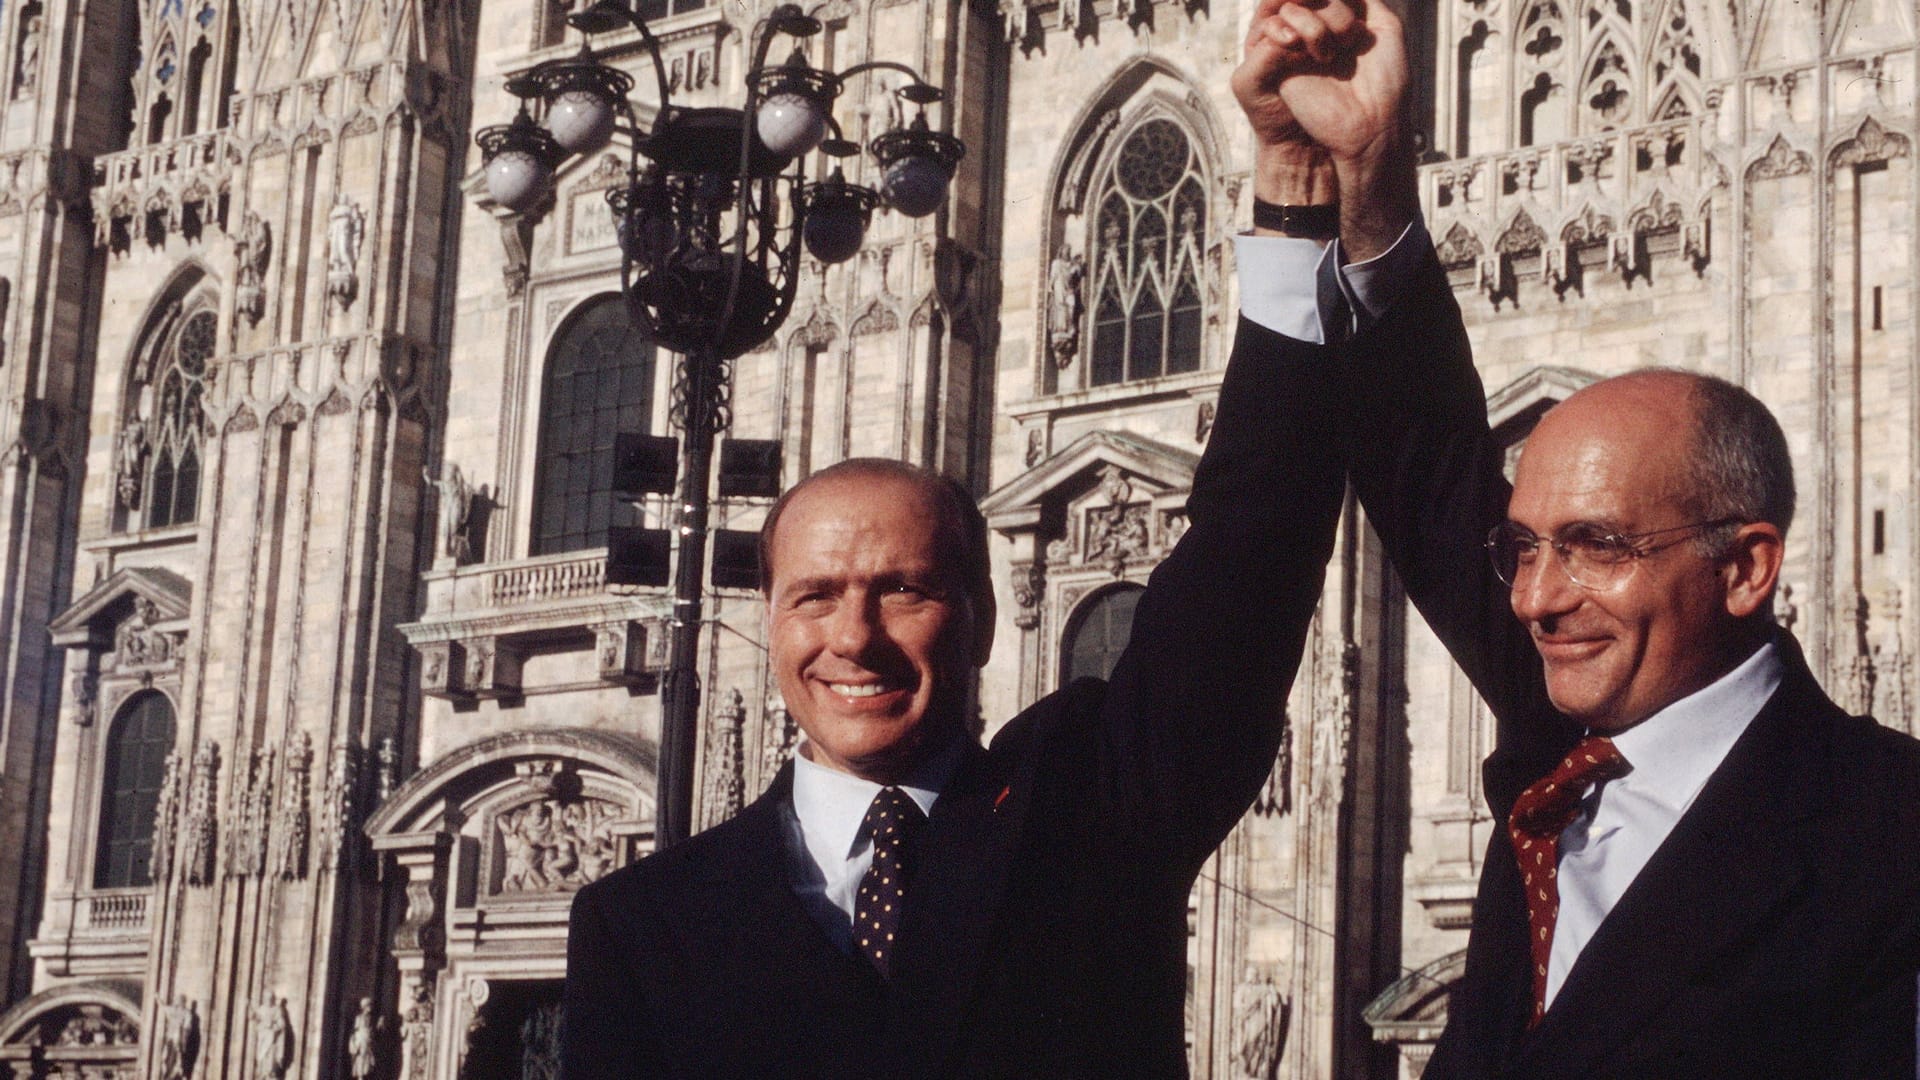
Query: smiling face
[[1615, 455], [873, 634]]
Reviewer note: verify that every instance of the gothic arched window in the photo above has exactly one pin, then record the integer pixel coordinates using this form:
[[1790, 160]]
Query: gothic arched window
[[599, 382], [157, 467], [1098, 634], [1148, 238], [138, 743]]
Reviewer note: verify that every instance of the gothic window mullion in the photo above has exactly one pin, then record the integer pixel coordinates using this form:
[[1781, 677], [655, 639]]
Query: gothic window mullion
[[1147, 237]]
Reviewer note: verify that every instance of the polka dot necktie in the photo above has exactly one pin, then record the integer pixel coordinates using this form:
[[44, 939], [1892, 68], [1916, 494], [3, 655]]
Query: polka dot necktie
[[1539, 816], [891, 821]]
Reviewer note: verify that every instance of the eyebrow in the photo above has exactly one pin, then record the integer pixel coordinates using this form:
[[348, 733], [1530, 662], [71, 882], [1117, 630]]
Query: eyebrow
[[1611, 528], [930, 579]]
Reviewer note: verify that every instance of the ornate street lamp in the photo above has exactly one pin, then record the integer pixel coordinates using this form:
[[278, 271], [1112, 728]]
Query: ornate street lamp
[[711, 219]]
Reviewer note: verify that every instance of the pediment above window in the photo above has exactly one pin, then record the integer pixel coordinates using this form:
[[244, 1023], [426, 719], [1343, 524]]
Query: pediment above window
[[139, 613], [1110, 504]]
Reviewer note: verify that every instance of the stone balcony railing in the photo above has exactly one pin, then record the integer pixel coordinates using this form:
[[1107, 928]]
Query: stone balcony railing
[[159, 159], [554, 578], [1602, 203], [152, 192], [116, 911], [480, 620]]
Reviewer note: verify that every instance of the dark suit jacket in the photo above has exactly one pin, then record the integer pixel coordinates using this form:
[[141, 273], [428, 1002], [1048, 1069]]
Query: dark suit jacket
[[1776, 932], [1045, 932]]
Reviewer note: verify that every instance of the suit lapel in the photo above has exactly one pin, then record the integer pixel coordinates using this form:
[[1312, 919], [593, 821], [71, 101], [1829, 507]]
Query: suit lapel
[[1743, 848], [748, 906], [952, 907]]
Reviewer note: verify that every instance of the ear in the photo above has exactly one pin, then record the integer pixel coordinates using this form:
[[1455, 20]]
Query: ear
[[1751, 568]]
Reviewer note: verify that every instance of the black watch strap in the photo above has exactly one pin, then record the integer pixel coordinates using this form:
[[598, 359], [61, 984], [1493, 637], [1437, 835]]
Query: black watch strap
[[1319, 222]]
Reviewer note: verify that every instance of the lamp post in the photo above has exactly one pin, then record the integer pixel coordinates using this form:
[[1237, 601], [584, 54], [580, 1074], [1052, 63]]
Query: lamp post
[[715, 209]]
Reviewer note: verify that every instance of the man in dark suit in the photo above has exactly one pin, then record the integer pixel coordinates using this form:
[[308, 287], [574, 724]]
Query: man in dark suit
[[903, 902], [1708, 869]]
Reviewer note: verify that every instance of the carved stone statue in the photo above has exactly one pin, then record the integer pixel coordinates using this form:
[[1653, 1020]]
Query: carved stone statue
[[247, 853], [726, 765], [130, 455], [777, 742], [86, 698], [362, 1043], [1066, 277], [201, 813], [26, 73], [137, 643], [416, 1024], [456, 509], [346, 227], [386, 768], [1260, 1023], [272, 1039], [289, 853], [166, 817], [252, 254], [179, 1039], [338, 816]]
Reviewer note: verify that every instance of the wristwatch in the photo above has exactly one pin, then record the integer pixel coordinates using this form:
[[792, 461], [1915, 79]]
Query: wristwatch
[[1316, 222]]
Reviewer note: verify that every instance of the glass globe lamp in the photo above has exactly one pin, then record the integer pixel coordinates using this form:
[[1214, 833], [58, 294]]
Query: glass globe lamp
[[581, 121], [837, 214], [790, 124], [916, 186], [916, 165], [519, 161], [792, 116]]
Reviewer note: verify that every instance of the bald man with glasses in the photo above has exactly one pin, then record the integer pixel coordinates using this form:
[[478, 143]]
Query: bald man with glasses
[[1705, 867]]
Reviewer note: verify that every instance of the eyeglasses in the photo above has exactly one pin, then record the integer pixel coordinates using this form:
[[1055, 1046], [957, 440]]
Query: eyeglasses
[[1592, 557]]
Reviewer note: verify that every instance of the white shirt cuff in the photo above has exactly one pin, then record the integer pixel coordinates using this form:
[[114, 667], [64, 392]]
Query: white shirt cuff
[[1371, 286], [1279, 284]]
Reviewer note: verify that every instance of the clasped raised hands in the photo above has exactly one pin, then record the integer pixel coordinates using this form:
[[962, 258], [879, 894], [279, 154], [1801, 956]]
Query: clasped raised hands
[[1324, 83]]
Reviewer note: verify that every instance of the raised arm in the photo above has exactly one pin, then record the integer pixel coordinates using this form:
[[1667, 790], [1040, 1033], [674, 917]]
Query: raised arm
[[1424, 467], [1194, 710]]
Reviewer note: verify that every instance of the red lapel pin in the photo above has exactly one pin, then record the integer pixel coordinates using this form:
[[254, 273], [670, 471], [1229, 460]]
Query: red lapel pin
[[1002, 797]]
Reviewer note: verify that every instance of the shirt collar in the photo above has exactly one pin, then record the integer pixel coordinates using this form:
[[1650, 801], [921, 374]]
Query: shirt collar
[[1675, 750], [831, 804]]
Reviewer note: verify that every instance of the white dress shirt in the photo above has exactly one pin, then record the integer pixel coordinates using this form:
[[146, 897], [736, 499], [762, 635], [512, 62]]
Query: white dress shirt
[[827, 853], [1623, 822]]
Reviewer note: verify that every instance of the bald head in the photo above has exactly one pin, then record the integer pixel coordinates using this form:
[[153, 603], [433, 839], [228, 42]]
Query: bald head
[[1713, 448]]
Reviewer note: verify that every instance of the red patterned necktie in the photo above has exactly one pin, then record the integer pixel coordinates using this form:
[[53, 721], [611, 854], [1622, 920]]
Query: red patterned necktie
[[891, 821], [1541, 813]]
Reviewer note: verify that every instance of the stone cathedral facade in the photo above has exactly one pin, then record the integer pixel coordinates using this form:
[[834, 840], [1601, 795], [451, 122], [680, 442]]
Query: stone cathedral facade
[[315, 704]]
